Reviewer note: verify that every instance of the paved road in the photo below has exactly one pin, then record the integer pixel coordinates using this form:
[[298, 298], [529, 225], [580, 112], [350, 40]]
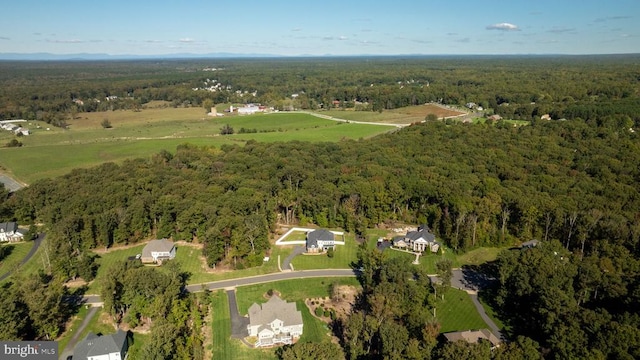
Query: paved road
[[10, 183], [34, 248], [223, 284], [259, 279], [68, 351]]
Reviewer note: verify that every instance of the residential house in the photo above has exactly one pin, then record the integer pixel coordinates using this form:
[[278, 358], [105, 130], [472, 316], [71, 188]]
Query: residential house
[[274, 322], [9, 232], [545, 117], [418, 241], [530, 244], [320, 240], [158, 250], [474, 336], [495, 117], [106, 347]]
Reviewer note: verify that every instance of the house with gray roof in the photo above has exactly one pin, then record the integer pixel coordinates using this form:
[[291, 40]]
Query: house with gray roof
[[274, 322], [320, 240], [9, 232], [419, 241], [106, 347], [158, 250]]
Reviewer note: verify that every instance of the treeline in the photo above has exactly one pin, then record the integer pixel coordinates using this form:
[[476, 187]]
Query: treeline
[[474, 185], [572, 87]]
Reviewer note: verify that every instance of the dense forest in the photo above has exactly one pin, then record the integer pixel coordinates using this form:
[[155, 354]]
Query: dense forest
[[474, 185], [573, 185], [591, 88]]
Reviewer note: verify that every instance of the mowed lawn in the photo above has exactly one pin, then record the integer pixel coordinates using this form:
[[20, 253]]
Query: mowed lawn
[[457, 312], [54, 152], [190, 260], [18, 252]]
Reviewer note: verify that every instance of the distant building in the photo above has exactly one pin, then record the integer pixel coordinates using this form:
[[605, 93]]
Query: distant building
[[275, 322], [213, 112], [158, 250], [248, 110]]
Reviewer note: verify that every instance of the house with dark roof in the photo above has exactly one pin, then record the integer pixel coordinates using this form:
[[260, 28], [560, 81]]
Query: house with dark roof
[[320, 240], [9, 232], [106, 347], [419, 241], [158, 250], [473, 336], [274, 322]]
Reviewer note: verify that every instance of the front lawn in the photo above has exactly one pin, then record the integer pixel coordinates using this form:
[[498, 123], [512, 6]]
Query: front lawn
[[457, 312], [343, 257]]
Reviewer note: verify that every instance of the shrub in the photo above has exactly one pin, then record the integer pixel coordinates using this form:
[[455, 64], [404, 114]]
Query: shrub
[[330, 253], [319, 311]]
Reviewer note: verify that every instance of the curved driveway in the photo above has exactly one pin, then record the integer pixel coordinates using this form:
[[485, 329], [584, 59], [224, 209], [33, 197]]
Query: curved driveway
[[34, 248]]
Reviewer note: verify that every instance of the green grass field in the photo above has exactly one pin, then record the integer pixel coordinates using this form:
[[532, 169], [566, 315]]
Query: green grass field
[[54, 152], [479, 256], [291, 290], [344, 256], [18, 252], [457, 312], [189, 259], [428, 261]]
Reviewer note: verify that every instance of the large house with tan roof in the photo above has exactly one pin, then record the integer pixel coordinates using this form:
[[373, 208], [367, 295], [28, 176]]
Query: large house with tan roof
[[274, 322]]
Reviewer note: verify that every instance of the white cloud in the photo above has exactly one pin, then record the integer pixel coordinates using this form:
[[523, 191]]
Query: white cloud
[[503, 27], [186, 40], [296, 29]]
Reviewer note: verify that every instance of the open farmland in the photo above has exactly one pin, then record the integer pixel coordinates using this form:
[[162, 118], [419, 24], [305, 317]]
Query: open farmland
[[404, 115], [135, 134]]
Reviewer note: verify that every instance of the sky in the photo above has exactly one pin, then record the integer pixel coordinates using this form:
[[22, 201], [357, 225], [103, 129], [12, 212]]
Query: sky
[[327, 27]]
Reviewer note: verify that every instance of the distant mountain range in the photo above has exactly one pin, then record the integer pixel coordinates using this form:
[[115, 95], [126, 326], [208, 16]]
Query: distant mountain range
[[97, 56], [88, 56]]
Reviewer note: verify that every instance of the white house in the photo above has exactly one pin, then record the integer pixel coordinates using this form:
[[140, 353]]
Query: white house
[[419, 240], [9, 232], [274, 322], [158, 250]]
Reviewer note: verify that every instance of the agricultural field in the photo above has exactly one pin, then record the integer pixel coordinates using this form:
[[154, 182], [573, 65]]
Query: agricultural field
[[140, 134], [404, 115]]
